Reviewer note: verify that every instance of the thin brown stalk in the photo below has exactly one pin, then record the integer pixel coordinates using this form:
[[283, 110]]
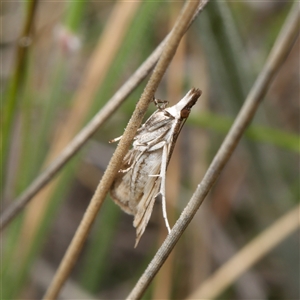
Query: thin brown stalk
[[276, 58], [81, 138], [213, 286], [12, 96], [81, 234], [25, 41]]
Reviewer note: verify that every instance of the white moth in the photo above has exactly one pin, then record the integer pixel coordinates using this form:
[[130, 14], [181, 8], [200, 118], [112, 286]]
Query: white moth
[[142, 176]]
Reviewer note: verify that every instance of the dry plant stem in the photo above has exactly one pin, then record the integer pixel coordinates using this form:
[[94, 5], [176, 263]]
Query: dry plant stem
[[16, 82], [248, 256], [114, 164], [25, 41], [81, 138], [278, 54]]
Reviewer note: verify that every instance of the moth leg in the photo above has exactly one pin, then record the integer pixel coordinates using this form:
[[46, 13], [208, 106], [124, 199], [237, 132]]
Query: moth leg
[[125, 170], [115, 140], [129, 162], [162, 191], [137, 161], [160, 104]]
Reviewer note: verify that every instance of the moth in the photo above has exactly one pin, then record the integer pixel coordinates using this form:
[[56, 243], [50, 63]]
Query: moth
[[142, 176]]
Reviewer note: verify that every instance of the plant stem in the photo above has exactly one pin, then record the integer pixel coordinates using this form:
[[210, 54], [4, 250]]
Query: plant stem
[[16, 84]]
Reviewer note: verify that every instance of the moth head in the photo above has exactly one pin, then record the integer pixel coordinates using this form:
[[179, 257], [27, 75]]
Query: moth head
[[183, 107], [191, 97]]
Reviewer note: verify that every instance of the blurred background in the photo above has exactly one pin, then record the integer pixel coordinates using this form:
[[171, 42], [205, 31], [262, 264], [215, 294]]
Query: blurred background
[[54, 81]]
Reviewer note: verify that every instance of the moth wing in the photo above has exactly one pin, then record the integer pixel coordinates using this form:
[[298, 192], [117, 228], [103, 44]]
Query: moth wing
[[119, 189], [154, 128], [143, 215], [145, 206]]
